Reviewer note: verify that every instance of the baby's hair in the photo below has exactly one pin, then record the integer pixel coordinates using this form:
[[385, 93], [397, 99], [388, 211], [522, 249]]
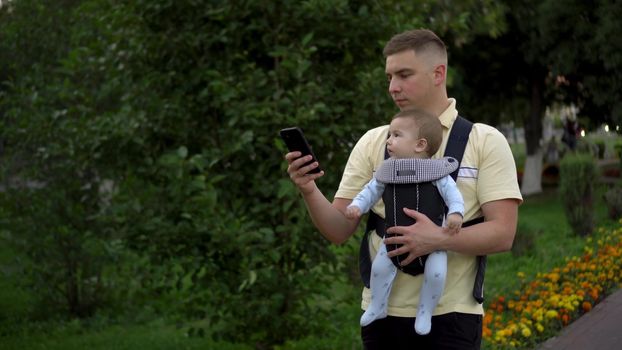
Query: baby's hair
[[430, 128]]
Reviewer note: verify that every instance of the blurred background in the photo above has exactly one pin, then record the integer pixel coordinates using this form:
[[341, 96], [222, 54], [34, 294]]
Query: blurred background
[[144, 201]]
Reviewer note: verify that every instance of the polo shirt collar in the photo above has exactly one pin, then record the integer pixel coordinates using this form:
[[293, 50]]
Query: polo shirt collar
[[448, 117]]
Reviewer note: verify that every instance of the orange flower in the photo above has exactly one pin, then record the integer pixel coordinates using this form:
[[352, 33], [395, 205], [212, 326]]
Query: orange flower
[[594, 294], [563, 294]]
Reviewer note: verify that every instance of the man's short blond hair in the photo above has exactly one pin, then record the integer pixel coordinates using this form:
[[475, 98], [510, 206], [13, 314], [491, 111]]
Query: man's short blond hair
[[422, 41]]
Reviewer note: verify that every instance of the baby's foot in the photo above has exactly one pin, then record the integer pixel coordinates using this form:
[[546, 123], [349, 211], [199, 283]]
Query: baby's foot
[[370, 315], [423, 323]]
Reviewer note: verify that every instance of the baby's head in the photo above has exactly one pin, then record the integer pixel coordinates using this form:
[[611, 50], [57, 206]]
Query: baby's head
[[414, 134]]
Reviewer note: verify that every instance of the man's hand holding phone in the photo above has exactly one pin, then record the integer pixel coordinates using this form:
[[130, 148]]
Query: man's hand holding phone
[[303, 167]]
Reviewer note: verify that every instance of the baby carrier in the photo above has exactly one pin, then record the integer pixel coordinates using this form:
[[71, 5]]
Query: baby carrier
[[433, 206], [408, 184]]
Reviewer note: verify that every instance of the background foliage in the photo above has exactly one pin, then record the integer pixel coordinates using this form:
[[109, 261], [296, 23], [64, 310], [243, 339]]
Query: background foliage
[[577, 174], [142, 171]]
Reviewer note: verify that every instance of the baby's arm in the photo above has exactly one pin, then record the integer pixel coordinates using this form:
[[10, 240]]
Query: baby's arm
[[455, 204], [453, 223], [353, 212], [362, 203]]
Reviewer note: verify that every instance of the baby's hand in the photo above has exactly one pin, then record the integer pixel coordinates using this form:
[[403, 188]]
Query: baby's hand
[[453, 223], [353, 212]]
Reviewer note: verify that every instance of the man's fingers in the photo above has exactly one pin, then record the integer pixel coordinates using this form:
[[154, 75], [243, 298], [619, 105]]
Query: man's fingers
[[398, 230], [399, 239], [413, 214], [295, 161], [291, 156]]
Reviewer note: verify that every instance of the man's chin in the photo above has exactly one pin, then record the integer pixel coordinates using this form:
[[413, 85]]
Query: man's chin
[[403, 105]]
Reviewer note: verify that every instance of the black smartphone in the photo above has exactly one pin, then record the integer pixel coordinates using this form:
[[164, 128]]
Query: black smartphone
[[296, 141]]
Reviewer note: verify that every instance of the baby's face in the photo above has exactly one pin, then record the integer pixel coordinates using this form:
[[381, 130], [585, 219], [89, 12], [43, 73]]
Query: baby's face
[[403, 139]]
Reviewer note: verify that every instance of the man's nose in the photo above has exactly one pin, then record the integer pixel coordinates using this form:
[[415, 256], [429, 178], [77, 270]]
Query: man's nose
[[394, 86]]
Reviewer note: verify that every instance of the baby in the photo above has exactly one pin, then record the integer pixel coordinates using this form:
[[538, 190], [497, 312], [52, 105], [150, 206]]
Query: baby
[[414, 136]]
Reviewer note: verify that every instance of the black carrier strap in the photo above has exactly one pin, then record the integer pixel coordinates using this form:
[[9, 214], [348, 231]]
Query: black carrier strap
[[457, 141], [456, 144]]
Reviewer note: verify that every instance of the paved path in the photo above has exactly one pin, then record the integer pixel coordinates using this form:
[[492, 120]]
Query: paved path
[[599, 329]]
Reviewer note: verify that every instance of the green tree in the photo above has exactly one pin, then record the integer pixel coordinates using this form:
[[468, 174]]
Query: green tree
[[153, 128], [550, 52], [584, 50]]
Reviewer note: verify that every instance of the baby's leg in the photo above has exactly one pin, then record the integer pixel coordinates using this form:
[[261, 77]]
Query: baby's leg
[[381, 280], [431, 291]]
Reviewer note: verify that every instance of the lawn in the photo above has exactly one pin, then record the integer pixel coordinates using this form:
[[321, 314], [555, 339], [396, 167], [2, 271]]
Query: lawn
[[541, 217]]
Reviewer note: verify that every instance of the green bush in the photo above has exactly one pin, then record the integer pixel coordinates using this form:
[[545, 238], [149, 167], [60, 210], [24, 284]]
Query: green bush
[[153, 126], [578, 173], [613, 201], [153, 129], [618, 151]]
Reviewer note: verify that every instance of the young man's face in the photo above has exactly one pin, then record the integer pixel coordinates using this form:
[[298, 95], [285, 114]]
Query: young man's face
[[404, 141], [410, 80]]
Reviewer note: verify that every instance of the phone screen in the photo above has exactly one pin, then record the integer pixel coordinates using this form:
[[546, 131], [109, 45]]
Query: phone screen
[[296, 141]]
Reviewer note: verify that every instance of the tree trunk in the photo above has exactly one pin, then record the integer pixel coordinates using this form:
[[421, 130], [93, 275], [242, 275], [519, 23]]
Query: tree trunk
[[532, 174]]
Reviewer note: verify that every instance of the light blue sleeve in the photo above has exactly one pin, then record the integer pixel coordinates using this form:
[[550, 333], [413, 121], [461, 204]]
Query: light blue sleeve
[[451, 195], [369, 195]]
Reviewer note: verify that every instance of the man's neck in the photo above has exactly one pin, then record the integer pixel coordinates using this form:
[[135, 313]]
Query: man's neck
[[438, 107]]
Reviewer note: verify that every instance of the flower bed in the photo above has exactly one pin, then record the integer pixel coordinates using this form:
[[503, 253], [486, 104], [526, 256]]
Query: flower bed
[[540, 308]]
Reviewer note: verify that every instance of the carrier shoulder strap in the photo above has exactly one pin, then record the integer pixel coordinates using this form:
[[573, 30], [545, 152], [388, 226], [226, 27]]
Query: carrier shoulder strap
[[455, 148], [457, 141]]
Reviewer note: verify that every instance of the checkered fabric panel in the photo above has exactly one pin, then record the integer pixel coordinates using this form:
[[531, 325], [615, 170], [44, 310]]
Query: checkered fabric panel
[[413, 170]]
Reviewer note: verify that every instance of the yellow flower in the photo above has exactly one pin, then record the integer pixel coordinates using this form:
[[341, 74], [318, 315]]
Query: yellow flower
[[551, 314], [526, 332], [554, 277]]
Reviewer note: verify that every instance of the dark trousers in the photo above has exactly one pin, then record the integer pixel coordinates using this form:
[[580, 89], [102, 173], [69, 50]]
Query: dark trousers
[[449, 331]]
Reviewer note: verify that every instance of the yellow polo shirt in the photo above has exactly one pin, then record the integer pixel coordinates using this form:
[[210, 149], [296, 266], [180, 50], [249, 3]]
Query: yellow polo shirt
[[487, 173]]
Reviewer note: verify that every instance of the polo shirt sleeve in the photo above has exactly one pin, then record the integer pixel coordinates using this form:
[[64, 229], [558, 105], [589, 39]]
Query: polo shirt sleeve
[[359, 168], [497, 170]]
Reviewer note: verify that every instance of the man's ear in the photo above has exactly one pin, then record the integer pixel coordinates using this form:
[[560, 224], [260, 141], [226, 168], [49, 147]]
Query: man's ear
[[421, 146], [440, 74]]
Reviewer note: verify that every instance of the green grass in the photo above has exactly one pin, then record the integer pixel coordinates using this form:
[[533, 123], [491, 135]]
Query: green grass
[[73, 336], [543, 214], [18, 332], [15, 302]]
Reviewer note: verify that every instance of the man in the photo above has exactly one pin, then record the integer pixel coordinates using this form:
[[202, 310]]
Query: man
[[416, 67]]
